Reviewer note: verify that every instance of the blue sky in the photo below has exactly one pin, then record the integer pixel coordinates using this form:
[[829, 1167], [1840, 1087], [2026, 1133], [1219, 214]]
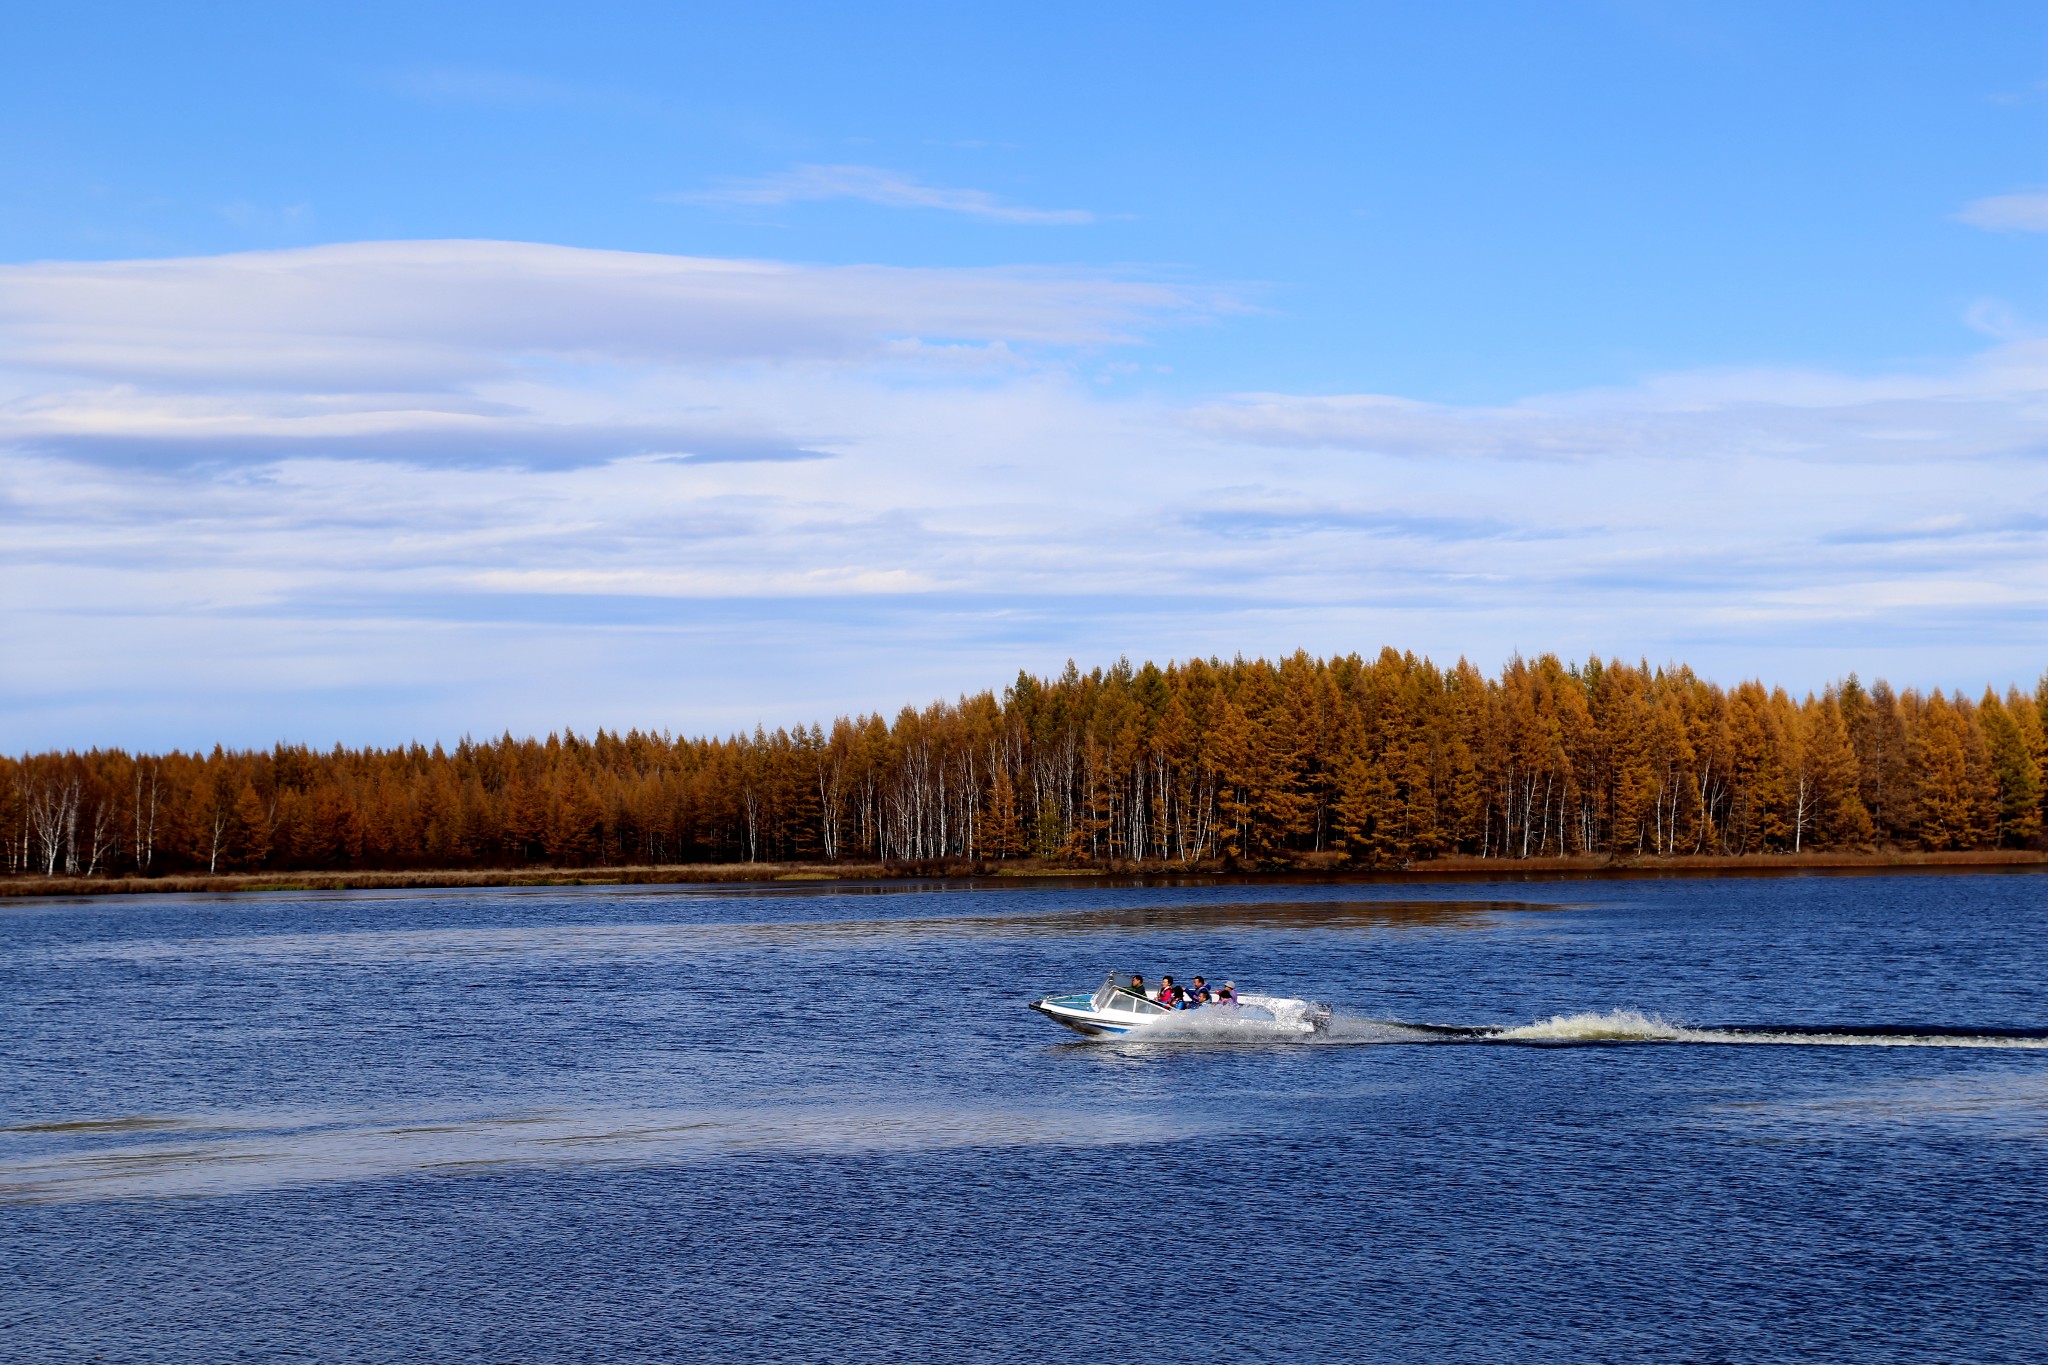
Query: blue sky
[[370, 373]]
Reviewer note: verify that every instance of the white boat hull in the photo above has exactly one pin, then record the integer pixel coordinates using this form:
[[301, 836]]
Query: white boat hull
[[1078, 1013]]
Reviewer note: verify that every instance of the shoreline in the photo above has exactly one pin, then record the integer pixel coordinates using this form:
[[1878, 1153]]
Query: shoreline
[[32, 886]]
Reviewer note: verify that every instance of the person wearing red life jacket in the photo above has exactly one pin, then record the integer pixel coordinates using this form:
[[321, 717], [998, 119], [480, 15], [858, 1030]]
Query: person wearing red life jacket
[[1169, 994]]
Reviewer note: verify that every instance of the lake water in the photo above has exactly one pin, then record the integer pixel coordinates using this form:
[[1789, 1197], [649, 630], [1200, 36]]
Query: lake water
[[1717, 1120]]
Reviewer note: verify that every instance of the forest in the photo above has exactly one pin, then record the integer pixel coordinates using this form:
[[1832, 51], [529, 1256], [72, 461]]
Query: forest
[[1344, 761]]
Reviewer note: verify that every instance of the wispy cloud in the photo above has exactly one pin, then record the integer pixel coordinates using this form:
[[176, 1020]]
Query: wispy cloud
[[1252, 518], [386, 489], [260, 217], [1986, 408], [407, 315], [2027, 94], [498, 354], [2026, 211], [481, 86], [875, 185]]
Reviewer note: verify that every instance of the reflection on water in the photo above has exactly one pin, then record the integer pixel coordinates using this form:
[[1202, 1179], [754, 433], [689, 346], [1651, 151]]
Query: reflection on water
[[1278, 914], [225, 1154], [2004, 1106], [656, 939]]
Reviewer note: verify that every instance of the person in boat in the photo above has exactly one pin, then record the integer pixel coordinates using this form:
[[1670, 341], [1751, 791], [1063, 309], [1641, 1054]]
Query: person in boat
[[1197, 996], [1169, 994], [1137, 984]]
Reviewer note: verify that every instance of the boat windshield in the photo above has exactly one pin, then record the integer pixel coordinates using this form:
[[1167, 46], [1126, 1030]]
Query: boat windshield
[[1100, 1001], [1110, 996]]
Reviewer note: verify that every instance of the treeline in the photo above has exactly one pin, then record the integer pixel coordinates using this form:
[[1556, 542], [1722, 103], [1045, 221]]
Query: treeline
[[1377, 762]]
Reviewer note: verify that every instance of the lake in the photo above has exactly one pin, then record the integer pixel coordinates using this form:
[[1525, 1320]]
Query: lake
[[1739, 1119]]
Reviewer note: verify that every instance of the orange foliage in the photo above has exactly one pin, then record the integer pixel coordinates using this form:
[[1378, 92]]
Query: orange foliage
[[1376, 762]]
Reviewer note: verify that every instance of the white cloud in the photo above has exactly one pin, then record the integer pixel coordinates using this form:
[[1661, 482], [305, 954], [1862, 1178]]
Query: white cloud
[[2023, 212], [874, 185], [401, 312], [399, 489], [500, 352], [1992, 406]]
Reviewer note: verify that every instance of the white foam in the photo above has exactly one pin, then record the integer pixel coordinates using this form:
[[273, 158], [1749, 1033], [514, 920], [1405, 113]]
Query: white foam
[[1305, 1015], [1614, 1026], [1284, 1019], [1634, 1026], [1254, 1018], [1355, 1029]]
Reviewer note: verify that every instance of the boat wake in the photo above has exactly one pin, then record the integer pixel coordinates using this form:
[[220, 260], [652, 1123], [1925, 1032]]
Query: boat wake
[[1634, 1026], [1268, 1019], [1254, 1018]]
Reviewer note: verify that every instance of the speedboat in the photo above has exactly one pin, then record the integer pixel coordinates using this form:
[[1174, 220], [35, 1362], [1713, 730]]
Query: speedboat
[[1114, 1010], [1111, 1009]]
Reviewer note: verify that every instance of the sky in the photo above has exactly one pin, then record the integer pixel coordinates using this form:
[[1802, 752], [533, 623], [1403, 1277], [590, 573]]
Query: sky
[[378, 373]]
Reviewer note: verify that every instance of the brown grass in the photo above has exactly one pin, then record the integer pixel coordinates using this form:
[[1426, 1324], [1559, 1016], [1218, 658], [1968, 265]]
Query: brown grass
[[1313, 866]]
